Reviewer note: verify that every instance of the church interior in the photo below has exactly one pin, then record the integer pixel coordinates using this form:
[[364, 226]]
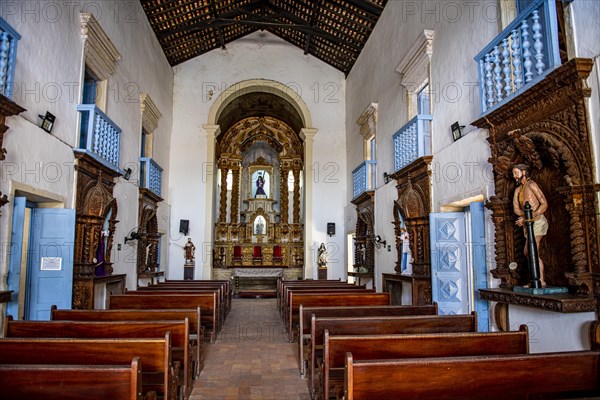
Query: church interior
[[261, 171]]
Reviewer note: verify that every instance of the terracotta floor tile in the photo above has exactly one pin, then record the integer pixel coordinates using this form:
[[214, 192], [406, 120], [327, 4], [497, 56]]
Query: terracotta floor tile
[[251, 359]]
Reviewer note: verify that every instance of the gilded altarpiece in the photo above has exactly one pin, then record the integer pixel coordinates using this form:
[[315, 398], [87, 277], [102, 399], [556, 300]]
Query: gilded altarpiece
[[96, 209], [413, 207], [547, 128], [259, 221]]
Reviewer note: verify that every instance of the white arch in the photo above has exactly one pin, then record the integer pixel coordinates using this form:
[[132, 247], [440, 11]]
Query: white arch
[[259, 85], [307, 133]]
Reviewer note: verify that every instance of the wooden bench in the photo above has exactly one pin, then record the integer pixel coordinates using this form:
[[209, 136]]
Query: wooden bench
[[193, 316], [331, 299], [159, 374], [181, 349], [501, 377], [223, 285], [330, 372], [306, 314], [207, 303], [415, 324], [285, 300], [71, 382], [283, 296]]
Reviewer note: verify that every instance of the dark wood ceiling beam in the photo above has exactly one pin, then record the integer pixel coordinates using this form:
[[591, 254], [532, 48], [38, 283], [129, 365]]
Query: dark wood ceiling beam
[[313, 21], [151, 10], [301, 24], [209, 24], [213, 10], [365, 5]]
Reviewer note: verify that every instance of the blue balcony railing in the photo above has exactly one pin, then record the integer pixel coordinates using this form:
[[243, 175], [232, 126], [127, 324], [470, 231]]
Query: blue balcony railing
[[9, 39], [363, 177], [412, 141], [520, 56], [99, 135], [150, 175]]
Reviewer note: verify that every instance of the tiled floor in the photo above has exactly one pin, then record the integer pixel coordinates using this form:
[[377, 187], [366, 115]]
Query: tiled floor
[[251, 358]]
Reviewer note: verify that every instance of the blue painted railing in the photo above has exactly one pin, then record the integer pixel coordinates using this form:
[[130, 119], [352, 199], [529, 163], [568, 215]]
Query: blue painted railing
[[99, 135], [9, 39], [412, 141], [363, 177], [520, 56], [150, 175]]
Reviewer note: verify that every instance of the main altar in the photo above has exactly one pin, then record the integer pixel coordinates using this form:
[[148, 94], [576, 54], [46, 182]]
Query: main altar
[[260, 223]]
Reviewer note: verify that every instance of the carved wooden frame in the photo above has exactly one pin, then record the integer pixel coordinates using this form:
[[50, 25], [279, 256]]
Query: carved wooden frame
[[547, 128], [414, 205]]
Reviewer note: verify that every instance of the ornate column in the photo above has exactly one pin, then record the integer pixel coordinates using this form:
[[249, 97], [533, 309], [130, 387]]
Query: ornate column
[[224, 167], [296, 215], [235, 194], [283, 190]]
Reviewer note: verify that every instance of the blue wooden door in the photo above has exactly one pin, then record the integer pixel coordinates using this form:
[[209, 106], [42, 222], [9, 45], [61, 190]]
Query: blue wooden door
[[449, 266], [479, 264], [50, 264], [15, 253]]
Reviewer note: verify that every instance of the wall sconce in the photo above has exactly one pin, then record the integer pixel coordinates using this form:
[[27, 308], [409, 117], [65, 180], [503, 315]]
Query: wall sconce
[[127, 174], [386, 178], [379, 242], [132, 236], [456, 130], [47, 121]]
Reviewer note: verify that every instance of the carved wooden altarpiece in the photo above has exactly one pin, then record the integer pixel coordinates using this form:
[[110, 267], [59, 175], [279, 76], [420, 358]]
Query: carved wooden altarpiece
[[148, 239], [547, 128], [95, 204], [364, 247], [8, 108], [413, 206]]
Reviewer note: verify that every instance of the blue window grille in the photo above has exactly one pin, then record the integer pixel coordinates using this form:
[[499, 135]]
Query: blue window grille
[[520, 56], [363, 177], [100, 136], [150, 175], [9, 39], [412, 141]]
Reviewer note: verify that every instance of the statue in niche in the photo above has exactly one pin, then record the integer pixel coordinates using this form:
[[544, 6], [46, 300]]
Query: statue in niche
[[259, 225], [189, 250], [528, 191], [261, 183]]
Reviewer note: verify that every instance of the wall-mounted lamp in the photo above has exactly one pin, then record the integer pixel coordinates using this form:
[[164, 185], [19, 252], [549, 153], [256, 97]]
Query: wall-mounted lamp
[[127, 174], [386, 178], [379, 242], [456, 130], [132, 236], [47, 121]]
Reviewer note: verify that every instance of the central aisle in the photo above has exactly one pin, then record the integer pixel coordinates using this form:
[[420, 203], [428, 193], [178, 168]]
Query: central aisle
[[251, 358]]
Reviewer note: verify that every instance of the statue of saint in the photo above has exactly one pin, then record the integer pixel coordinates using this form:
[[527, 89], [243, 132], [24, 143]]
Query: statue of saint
[[322, 256], [189, 250], [260, 184], [528, 191]]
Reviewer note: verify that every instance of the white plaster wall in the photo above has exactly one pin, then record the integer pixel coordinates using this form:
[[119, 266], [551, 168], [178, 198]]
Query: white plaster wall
[[48, 72], [385, 260], [260, 55], [551, 331]]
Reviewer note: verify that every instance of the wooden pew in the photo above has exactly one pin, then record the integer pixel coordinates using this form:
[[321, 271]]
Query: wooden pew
[[207, 303], [500, 377], [306, 313], [159, 374], [71, 382], [285, 300], [181, 349], [221, 306], [331, 299], [415, 324], [193, 316], [370, 347], [226, 283], [225, 288]]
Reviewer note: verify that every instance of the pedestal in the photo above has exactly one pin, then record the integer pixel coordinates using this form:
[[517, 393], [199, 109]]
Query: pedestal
[[322, 273], [188, 272]]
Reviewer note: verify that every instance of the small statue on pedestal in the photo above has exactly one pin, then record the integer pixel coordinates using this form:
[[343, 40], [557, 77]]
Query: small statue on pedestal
[[322, 256], [189, 250]]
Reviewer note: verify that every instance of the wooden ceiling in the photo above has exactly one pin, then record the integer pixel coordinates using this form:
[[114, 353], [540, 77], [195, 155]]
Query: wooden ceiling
[[334, 31]]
